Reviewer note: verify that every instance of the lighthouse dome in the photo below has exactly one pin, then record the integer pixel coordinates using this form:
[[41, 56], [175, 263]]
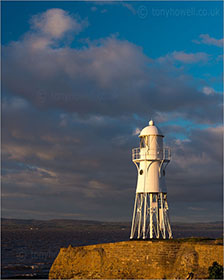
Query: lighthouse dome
[[151, 129]]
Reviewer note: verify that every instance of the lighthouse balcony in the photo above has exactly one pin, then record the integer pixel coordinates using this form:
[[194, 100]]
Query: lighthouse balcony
[[139, 154]]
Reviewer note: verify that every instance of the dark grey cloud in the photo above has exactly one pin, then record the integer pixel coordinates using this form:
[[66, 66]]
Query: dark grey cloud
[[68, 164], [69, 122]]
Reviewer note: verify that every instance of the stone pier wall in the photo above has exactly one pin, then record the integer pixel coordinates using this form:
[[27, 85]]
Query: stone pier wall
[[137, 260]]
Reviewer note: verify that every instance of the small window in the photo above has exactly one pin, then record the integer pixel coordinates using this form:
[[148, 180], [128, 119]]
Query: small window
[[141, 172], [142, 142]]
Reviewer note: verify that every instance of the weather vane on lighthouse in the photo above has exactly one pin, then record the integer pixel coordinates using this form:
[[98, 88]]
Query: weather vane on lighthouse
[[150, 216]]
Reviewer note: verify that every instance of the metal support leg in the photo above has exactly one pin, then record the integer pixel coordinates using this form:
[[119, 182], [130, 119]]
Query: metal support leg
[[144, 222], [140, 216], [150, 216], [150, 220], [167, 219], [157, 216], [134, 217], [162, 217]]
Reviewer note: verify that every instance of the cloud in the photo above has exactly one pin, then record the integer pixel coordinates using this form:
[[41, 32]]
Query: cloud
[[207, 40], [54, 23], [89, 173], [14, 104], [190, 57], [197, 155], [47, 29], [67, 167], [39, 42], [106, 77], [62, 164], [129, 7], [126, 5], [70, 119], [136, 131], [208, 90]]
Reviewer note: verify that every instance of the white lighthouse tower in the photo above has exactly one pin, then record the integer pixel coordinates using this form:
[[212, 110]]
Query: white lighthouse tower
[[150, 216]]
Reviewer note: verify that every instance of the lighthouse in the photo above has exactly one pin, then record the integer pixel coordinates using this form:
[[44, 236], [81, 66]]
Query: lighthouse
[[150, 215]]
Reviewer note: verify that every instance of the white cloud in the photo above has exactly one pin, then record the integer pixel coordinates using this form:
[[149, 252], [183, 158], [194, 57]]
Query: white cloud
[[190, 57], [208, 90], [183, 57], [39, 42], [55, 23], [206, 39], [136, 131]]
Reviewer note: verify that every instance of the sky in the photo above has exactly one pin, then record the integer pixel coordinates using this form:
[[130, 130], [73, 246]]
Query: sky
[[81, 79]]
